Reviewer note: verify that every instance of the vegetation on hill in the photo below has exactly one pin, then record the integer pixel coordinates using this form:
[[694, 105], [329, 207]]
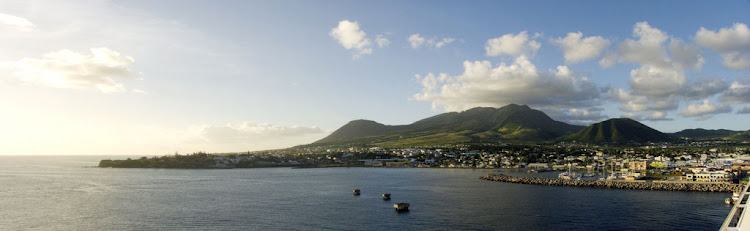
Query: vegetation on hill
[[482, 124], [618, 131], [699, 133], [740, 136]]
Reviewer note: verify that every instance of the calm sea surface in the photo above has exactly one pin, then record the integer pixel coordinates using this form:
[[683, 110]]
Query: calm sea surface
[[58, 193]]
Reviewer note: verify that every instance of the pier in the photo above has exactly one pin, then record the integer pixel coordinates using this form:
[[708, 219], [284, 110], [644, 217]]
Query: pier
[[661, 186]]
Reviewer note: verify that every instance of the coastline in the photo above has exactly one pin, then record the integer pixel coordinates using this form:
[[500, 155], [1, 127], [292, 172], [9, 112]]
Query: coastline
[[656, 186]]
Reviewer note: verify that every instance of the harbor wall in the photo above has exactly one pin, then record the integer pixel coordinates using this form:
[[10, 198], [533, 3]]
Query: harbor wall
[[716, 187]]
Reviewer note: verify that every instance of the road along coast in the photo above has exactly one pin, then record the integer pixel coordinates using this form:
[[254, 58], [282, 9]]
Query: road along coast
[[662, 186]]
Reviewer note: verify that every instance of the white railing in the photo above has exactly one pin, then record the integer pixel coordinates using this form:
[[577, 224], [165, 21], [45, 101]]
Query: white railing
[[735, 219]]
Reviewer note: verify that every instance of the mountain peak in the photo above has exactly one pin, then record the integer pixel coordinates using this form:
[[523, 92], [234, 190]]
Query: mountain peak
[[619, 131]]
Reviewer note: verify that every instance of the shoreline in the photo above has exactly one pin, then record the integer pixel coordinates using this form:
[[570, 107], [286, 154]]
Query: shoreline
[[655, 186]]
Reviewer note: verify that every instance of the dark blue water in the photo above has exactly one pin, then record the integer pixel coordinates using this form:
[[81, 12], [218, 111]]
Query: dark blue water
[[57, 193]]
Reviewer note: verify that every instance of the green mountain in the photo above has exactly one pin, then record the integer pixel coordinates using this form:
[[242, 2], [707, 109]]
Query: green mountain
[[740, 136], [618, 131], [481, 124], [700, 133]]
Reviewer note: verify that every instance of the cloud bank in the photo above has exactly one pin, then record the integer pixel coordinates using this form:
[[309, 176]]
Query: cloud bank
[[250, 136], [520, 82], [69, 69]]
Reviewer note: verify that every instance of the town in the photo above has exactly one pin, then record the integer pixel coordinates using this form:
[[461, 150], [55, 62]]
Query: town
[[704, 161]]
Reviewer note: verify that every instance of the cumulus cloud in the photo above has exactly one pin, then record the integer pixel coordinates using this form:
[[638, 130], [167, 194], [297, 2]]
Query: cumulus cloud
[[512, 44], [581, 116], [639, 103], [704, 87], [654, 81], [351, 37], [653, 116], [578, 49], [69, 69], [382, 41], [417, 41], [732, 44], [252, 136], [648, 49], [705, 110], [659, 84], [519, 82], [736, 93], [685, 56], [15, 22]]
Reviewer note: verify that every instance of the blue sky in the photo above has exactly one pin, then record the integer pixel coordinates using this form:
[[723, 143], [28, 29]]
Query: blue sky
[[155, 77]]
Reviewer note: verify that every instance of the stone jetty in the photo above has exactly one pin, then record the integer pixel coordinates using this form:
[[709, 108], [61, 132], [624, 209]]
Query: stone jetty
[[638, 185]]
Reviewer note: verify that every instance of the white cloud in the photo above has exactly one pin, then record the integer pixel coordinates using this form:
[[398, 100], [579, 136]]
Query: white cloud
[[685, 55], [653, 81], [648, 49], [736, 60], [639, 103], [659, 84], [653, 116], [705, 109], [510, 44], [250, 136], [577, 49], [69, 69], [351, 37], [704, 87], [417, 41], [736, 93], [733, 44], [519, 82], [382, 41], [15, 22], [444, 42]]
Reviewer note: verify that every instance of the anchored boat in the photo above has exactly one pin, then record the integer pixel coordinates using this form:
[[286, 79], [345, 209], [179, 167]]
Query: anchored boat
[[401, 206]]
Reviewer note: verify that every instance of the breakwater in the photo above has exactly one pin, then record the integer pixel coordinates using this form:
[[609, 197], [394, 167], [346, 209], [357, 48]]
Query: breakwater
[[693, 187]]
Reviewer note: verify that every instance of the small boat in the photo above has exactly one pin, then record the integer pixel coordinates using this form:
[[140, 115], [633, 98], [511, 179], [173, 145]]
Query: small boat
[[731, 200], [386, 196], [401, 206], [569, 176], [356, 192], [533, 171]]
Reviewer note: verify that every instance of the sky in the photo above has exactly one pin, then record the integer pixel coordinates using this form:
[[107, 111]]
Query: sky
[[159, 77]]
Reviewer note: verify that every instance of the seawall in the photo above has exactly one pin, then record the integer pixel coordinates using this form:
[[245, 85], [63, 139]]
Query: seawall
[[692, 187]]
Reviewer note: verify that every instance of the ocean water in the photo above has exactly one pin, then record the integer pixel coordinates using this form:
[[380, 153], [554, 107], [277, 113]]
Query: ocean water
[[58, 193]]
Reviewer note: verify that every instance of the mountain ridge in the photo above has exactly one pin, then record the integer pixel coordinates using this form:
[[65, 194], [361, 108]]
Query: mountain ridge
[[511, 122], [514, 123]]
